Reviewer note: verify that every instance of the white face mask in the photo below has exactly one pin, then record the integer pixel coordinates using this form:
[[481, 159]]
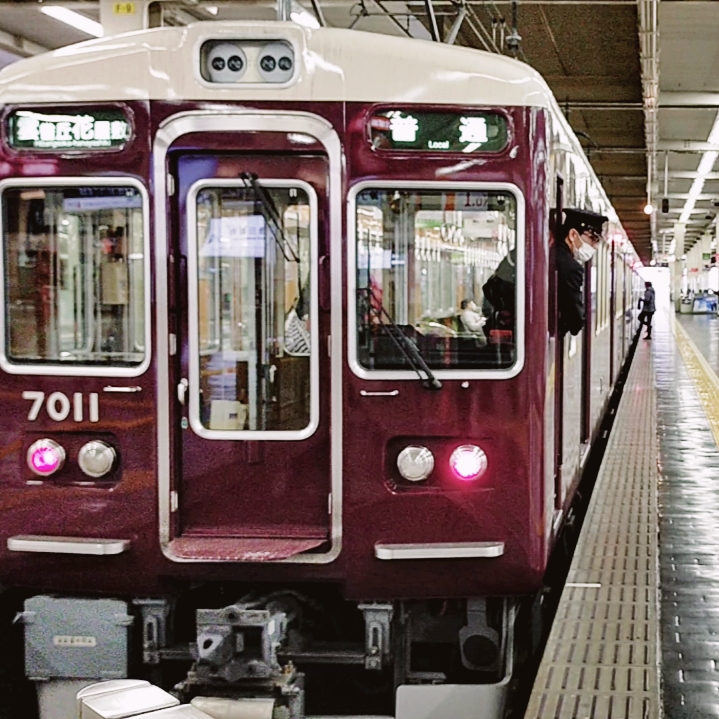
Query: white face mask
[[584, 253]]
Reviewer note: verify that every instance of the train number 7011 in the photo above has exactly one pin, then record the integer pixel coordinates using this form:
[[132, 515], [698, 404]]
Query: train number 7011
[[58, 406]]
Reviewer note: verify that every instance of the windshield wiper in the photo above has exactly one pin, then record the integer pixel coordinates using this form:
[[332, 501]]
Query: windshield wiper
[[408, 348], [274, 221]]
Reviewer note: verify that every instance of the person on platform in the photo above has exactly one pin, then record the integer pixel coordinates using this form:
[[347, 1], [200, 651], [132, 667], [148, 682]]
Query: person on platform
[[648, 309]]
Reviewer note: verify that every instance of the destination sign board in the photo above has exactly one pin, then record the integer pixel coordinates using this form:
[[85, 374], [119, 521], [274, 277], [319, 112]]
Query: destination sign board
[[464, 133], [102, 129]]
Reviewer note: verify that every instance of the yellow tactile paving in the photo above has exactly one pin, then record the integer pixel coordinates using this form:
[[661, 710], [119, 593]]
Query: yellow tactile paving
[[703, 376]]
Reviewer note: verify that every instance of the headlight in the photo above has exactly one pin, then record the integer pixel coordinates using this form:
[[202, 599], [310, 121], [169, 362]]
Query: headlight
[[45, 457], [415, 463], [96, 458], [468, 462], [276, 62]]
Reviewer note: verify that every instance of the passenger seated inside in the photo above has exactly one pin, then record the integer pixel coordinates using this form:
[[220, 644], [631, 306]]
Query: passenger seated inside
[[470, 318]]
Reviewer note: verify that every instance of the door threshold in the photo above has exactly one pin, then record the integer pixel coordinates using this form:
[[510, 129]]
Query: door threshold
[[241, 549]]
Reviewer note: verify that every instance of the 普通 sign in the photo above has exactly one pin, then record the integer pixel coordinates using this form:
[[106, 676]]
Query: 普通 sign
[[439, 131]]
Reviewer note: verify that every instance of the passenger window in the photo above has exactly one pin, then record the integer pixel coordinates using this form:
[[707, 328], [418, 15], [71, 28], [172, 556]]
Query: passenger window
[[252, 348], [74, 264], [441, 268]]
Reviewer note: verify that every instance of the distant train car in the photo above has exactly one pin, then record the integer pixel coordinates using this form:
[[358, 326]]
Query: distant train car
[[247, 405]]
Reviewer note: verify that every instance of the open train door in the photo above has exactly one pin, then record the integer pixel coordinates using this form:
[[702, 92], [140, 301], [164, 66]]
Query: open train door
[[250, 469], [558, 358]]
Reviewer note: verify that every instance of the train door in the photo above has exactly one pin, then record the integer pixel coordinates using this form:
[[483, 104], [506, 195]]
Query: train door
[[612, 313], [251, 458], [558, 356], [594, 278]]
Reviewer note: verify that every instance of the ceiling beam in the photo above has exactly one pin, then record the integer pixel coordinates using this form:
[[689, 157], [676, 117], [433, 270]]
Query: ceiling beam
[[685, 196], [695, 211], [482, 3], [617, 150], [599, 105], [77, 4], [688, 99], [690, 174], [19, 45], [686, 146], [671, 176]]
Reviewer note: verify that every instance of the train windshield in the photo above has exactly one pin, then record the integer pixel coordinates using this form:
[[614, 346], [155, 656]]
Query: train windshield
[[442, 266], [74, 264], [252, 346]]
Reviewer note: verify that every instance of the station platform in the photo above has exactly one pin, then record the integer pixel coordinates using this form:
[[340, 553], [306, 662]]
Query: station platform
[[636, 634]]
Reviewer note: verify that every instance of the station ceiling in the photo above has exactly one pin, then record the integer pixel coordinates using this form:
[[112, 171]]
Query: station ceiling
[[590, 53]]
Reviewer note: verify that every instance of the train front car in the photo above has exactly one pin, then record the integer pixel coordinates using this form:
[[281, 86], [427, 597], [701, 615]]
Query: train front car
[[277, 364]]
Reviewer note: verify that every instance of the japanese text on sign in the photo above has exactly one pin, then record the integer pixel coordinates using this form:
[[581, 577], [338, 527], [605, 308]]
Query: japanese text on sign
[[30, 130], [439, 131]]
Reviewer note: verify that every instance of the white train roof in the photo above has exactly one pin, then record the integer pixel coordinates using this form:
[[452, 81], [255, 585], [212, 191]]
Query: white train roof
[[335, 65]]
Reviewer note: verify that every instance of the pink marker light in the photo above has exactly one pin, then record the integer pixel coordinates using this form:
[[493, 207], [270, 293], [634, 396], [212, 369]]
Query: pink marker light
[[45, 457], [468, 462]]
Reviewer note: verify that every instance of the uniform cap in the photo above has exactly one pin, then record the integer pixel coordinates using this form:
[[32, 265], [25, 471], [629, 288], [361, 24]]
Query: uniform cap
[[583, 220]]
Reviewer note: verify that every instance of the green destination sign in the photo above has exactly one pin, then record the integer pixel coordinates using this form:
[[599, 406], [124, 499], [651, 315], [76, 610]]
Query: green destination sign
[[438, 131], [94, 130]]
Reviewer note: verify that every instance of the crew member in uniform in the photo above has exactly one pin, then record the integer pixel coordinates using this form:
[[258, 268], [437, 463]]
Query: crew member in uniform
[[577, 241]]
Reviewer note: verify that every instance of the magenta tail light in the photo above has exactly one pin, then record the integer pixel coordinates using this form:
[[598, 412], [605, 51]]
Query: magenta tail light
[[45, 457], [468, 462]]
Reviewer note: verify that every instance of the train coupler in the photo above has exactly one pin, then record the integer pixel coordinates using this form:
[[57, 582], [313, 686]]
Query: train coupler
[[236, 661]]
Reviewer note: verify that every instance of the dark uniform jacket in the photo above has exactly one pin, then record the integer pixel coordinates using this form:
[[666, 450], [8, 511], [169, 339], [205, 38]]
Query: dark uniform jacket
[[648, 301], [570, 299]]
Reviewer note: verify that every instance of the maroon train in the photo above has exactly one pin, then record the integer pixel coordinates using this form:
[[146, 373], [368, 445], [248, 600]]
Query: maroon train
[[239, 353]]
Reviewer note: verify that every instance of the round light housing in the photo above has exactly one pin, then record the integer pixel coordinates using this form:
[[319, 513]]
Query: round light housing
[[415, 463], [45, 457], [96, 458], [468, 462]]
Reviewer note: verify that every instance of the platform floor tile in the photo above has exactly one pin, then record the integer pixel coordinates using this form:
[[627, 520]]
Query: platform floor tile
[[602, 656]]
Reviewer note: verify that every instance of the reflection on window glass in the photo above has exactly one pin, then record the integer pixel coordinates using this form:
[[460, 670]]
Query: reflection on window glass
[[440, 267], [253, 275], [74, 275]]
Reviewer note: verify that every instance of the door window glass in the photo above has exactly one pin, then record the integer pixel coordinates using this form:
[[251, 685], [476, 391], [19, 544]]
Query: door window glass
[[253, 308], [74, 275], [440, 268]]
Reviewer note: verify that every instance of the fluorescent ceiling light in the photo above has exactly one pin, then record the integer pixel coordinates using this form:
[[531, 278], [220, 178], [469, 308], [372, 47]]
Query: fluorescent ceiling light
[[706, 164], [713, 138], [302, 17], [74, 19]]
